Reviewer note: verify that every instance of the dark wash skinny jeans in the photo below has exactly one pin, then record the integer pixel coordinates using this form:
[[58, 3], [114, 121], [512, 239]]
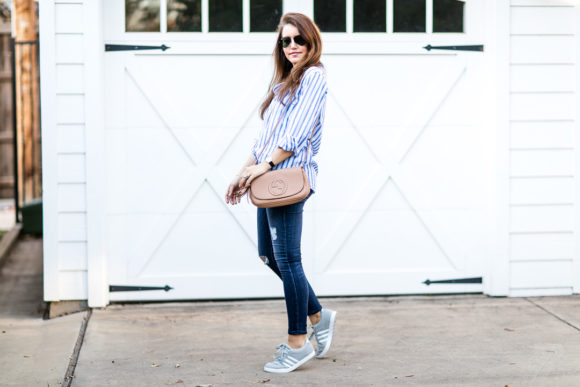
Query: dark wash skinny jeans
[[279, 237]]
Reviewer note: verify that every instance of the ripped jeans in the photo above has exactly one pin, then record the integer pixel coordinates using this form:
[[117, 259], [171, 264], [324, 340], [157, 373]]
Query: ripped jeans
[[279, 237]]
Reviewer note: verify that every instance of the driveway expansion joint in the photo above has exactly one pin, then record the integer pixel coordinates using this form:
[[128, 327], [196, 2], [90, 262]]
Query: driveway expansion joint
[[553, 314], [70, 371]]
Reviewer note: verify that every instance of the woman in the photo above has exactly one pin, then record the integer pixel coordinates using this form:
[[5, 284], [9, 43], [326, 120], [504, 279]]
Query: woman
[[293, 115]]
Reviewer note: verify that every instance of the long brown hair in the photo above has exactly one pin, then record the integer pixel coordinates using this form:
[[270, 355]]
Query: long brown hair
[[290, 76]]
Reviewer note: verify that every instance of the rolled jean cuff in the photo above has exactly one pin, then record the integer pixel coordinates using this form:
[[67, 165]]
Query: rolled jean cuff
[[310, 313], [296, 332]]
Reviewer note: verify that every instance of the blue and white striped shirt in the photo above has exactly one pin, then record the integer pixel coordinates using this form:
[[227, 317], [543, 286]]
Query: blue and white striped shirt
[[293, 131]]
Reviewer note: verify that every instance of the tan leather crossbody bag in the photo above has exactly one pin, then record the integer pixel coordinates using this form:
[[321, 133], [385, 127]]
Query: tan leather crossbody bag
[[281, 187]]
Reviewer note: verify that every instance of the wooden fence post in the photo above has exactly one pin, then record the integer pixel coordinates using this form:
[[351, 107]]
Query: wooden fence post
[[25, 26]]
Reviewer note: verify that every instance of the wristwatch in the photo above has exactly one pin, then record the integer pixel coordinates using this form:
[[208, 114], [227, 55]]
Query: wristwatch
[[269, 161]]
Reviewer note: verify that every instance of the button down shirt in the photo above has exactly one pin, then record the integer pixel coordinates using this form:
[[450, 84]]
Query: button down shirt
[[292, 132]]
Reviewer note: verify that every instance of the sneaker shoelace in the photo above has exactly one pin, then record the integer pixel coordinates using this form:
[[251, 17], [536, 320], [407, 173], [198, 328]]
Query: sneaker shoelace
[[281, 352]]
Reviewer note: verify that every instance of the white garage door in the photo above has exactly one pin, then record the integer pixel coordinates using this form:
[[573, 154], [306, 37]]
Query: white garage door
[[408, 206]]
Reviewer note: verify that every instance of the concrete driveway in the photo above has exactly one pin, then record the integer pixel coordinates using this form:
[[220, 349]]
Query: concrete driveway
[[465, 340], [454, 340]]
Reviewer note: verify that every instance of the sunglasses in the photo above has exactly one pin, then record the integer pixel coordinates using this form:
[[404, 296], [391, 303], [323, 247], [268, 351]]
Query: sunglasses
[[299, 40]]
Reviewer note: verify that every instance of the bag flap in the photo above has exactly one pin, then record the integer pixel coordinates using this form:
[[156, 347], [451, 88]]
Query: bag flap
[[279, 183]]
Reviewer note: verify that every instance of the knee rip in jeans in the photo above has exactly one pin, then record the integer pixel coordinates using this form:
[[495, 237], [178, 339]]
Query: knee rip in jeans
[[265, 260], [273, 233]]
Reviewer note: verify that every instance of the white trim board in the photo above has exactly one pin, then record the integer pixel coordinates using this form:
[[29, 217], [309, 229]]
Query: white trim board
[[576, 260], [98, 293], [496, 283], [49, 150]]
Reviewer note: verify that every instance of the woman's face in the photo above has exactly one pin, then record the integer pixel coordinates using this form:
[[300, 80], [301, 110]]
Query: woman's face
[[294, 52]]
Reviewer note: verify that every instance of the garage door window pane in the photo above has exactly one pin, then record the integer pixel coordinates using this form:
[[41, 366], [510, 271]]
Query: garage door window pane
[[225, 16], [265, 15], [184, 15], [330, 15], [369, 16], [447, 16], [409, 15], [142, 16]]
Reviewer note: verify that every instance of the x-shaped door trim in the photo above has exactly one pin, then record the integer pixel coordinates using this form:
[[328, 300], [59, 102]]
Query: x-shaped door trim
[[183, 193], [389, 168]]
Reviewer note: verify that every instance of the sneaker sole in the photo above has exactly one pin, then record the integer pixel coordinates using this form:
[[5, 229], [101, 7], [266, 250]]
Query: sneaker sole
[[330, 335], [286, 370]]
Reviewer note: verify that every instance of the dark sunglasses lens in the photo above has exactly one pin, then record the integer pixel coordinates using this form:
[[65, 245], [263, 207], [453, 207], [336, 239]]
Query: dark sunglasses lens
[[299, 40], [285, 42]]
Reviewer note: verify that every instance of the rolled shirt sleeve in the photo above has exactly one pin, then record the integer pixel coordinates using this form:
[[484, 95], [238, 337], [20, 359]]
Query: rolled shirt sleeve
[[304, 113]]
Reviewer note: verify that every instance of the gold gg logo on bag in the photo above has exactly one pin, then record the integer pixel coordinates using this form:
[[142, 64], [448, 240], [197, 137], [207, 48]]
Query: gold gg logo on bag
[[278, 187]]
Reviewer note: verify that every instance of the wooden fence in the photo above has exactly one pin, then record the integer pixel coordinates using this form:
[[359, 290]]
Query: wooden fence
[[6, 115], [20, 104]]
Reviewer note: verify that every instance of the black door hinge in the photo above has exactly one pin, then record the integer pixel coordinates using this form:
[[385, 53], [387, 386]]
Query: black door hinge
[[121, 288], [126, 47], [473, 280], [476, 47]]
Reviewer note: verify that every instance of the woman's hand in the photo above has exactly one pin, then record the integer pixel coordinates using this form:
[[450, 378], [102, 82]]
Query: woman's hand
[[253, 172], [240, 184], [236, 190]]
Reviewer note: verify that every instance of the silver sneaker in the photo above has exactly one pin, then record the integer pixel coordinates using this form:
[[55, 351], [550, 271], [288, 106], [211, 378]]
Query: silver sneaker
[[287, 359], [324, 331]]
